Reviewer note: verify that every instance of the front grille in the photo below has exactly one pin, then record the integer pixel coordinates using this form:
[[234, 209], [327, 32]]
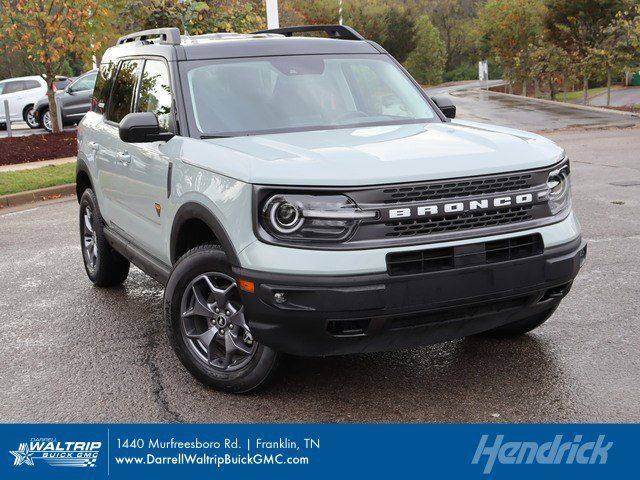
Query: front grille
[[439, 259], [457, 189], [452, 223]]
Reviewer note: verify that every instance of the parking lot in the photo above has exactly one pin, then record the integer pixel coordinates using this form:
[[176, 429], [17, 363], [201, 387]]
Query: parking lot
[[72, 353]]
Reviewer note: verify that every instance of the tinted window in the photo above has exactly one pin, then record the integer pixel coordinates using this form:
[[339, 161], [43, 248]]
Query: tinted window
[[13, 87], [104, 80], [84, 83], [155, 93], [31, 84], [121, 102]]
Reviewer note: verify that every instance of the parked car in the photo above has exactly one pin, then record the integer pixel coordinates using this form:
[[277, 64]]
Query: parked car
[[305, 195], [22, 93], [74, 102]]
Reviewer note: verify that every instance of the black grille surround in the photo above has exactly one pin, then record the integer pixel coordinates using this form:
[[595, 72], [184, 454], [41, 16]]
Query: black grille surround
[[385, 231], [460, 256]]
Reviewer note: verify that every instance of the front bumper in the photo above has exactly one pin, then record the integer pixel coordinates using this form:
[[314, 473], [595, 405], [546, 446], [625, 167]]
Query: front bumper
[[362, 313]]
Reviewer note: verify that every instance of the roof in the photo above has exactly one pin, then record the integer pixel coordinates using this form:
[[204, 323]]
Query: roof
[[170, 45]]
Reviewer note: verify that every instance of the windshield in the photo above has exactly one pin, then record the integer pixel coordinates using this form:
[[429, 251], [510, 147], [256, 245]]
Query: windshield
[[307, 92]]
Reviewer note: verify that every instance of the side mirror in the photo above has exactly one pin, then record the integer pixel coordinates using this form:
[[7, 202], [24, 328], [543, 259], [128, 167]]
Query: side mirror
[[142, 127], [446, 106], [71, 91]]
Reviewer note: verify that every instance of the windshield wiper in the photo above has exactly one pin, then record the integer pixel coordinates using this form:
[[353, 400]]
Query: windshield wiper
[[203, 137]]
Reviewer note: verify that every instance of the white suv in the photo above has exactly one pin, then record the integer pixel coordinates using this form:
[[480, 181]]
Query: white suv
[[305, 196], [22, 93]]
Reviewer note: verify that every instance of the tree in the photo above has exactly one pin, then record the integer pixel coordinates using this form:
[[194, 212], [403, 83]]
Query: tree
[[427, 61], [580, 28], [509, 30], [400, 38], [47, 33]]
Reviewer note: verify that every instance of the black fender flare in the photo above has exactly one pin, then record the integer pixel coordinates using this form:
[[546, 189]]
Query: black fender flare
[[192, 210], [81, 166]]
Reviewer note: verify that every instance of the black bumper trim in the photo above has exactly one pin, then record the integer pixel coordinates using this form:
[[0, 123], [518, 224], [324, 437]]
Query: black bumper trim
[[347, 314]]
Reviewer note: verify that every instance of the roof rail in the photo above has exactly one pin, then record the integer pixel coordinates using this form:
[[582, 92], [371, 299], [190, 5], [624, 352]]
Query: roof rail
[[334, 31], [170, 36]]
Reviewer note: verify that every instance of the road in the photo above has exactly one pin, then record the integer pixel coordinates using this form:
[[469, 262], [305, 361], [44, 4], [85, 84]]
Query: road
[[519, 112], [74, 353], [622, 97]]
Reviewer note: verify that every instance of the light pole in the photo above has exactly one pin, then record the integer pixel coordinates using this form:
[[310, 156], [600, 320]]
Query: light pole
[[273, 19]]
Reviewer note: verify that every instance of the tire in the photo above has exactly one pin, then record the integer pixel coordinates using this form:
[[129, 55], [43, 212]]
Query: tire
[[29, 116], [104, 266], [46, 120], [520, 327], [201, 337]]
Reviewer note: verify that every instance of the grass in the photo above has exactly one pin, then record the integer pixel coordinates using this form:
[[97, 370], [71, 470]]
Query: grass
[[578, 95], [49, 176]]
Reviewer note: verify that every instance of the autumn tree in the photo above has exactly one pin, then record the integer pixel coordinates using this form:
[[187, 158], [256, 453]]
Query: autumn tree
[[509, 30], [579, 27], [47, 33]]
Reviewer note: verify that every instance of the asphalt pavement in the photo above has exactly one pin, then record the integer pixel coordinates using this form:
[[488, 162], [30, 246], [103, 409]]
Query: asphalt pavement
[[627, 96], [525, 113], [70, 352]]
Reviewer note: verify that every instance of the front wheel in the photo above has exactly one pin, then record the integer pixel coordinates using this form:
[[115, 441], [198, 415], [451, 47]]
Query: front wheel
[[46, 120], [206, 326]]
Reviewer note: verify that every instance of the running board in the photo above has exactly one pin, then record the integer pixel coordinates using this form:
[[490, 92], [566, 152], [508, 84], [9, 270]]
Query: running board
[[145, 262]]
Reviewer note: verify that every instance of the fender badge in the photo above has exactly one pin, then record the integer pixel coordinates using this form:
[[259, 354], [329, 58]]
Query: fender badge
[[158, 208]]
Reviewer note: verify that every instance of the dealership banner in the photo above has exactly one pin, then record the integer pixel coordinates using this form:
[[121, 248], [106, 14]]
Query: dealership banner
[[132, 451]]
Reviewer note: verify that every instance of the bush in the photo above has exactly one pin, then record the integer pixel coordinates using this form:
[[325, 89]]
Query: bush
[[426, 62], [466, 71]]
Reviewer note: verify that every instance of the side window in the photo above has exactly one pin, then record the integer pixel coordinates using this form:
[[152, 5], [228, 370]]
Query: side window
[[84, 83], [104, 80], [155, 93], [123, 93], [31, 84], [13, 87]]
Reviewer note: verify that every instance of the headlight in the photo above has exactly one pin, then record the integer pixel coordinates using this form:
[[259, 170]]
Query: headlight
[[321, 218], [559, 189]]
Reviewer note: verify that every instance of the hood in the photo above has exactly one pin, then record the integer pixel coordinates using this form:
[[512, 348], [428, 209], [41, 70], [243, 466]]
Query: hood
[[373, 155]]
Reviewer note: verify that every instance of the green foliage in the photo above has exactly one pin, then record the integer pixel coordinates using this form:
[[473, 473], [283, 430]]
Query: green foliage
[[427, 61], [466, 71]]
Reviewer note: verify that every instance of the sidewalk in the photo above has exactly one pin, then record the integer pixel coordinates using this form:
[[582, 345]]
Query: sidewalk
[[32, 165]]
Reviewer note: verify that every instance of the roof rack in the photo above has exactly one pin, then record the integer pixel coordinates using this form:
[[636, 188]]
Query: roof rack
[[334, 31], [169, 36]]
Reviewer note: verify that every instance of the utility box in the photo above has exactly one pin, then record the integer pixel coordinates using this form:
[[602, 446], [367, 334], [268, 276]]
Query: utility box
[[635, 80]]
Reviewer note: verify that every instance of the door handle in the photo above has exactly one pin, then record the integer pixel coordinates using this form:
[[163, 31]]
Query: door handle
[[94, 146], [124, 158]]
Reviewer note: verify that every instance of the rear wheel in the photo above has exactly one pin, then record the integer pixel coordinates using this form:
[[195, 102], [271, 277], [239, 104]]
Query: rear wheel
[[104, 266], [29, 115], [46, 120], [205, 322], [520, 327]]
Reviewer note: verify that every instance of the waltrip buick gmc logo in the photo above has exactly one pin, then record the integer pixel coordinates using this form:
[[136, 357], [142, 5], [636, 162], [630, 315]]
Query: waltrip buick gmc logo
[[460, 207], [56, 454]]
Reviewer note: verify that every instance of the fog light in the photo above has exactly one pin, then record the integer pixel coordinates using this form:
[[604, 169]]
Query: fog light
[[279, 297]]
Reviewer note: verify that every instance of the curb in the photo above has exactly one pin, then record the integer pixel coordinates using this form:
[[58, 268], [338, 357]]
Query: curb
[[566, 104], [16, 199]]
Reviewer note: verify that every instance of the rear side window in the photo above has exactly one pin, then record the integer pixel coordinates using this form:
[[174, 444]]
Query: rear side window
[[13, 87], [102, 88], [31, 84], [121, 102], [155, 93]]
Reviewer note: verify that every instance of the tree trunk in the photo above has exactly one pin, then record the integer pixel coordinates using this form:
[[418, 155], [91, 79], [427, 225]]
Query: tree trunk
[[524, 88], [510, 87], [565, 88], [552, 89], [608, 87], [585, 90], [536, 89]]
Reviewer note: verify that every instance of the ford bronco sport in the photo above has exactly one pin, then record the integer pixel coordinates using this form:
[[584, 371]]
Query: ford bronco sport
[[303, 195]]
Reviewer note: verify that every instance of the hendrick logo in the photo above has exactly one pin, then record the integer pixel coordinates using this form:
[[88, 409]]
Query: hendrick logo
[[461, 207], [56, 454], [555, 452]]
